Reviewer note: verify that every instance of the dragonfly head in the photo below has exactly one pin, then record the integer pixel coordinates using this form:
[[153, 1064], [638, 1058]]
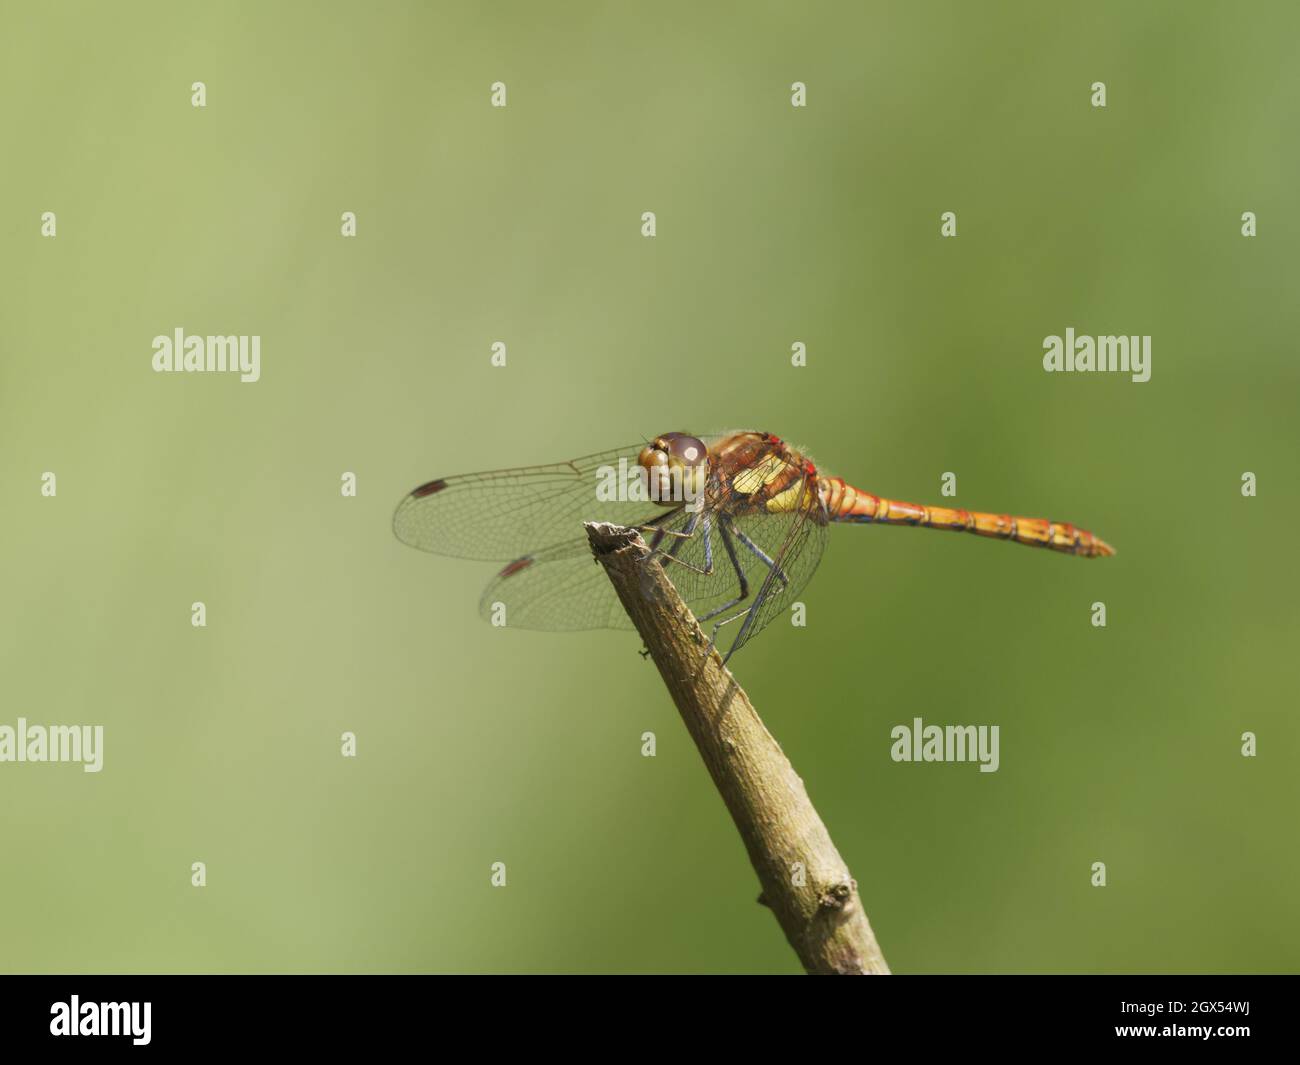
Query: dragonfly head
[[675, 468]]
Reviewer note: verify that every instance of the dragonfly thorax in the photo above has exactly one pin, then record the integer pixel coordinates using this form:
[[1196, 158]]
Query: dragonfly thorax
[[674, 468]]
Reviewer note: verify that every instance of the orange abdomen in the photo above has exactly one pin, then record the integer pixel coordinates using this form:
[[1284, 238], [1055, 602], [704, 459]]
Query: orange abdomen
[[846, 503]]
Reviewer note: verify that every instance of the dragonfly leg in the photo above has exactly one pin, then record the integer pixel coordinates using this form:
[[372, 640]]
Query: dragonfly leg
[[762, 556], [750, 612], [726, 528], [679, 537], [653, 525], [708, 547], [660, 533], [646, 582], [713, 635], [665, 557], [749, 616], [740, 576], [706, 526]]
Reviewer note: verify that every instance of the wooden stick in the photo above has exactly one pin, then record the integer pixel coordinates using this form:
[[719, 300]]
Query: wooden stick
[[804, 879]]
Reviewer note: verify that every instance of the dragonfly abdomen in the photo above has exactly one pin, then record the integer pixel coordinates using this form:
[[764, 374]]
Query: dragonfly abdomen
[[846, 503]]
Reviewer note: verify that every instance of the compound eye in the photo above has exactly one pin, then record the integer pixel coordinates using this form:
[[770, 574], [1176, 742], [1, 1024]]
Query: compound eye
[[687, 450]]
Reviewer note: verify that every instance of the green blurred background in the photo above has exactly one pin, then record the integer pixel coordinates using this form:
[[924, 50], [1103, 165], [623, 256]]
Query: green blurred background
[[775, 225]]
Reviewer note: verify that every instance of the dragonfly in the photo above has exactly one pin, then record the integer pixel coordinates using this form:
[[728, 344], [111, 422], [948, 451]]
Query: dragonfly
[[737, 521]]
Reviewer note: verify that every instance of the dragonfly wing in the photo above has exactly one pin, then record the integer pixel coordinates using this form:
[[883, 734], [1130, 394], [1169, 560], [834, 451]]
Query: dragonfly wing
[[561, 589], [727, 570], [798, 559], [503, 514]]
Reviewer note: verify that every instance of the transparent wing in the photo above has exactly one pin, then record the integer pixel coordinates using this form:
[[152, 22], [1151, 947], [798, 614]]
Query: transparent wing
[[795, 544], [736, 571], [563, 589], [503, 514]]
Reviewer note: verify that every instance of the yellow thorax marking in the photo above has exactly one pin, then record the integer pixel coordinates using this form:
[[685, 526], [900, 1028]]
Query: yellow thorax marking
[[765, 472]]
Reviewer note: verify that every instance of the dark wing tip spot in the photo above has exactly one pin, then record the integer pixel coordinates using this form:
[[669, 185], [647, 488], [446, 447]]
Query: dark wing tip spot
[[428, 489], [517, 565]]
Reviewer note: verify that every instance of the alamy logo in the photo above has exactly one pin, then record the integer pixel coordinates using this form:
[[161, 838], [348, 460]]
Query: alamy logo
[[102, 1018], [946, 743], [56, 743], [633, 482], [1085, 354], [179, 353]]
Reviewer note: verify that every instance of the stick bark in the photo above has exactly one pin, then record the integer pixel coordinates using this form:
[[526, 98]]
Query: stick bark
[[805, 881]]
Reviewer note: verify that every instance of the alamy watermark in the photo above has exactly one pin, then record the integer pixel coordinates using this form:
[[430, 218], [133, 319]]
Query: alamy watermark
[[633, 482], [179, 353], [75, 1017], [920, 742], [53, 743], [1108, 354]]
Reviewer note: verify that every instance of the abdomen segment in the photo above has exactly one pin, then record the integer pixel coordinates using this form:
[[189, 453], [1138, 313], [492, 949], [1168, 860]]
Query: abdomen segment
[[846, 503]]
